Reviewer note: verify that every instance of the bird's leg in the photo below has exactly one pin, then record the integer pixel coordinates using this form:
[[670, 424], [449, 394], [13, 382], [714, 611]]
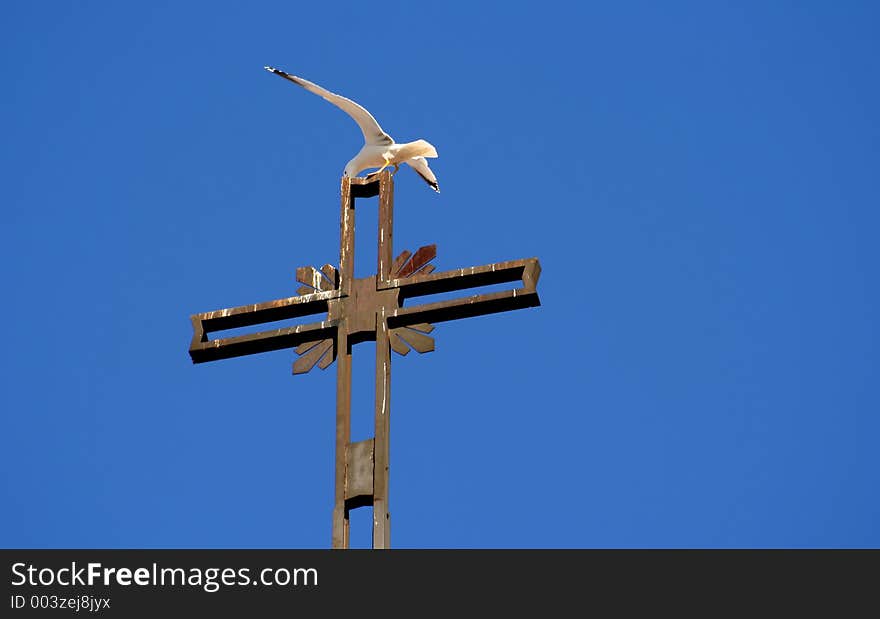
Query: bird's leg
[[379, 171], [396, 168]]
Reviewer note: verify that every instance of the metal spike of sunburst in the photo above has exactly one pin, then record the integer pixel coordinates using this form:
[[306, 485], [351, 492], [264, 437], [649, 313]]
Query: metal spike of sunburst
[[413, 336], [322, 352]]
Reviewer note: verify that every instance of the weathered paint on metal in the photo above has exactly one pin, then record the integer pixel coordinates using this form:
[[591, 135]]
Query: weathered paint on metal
[[340, 529], [386, 227], [359, 313], [422, 257], [341, 522], [332, 275], [381, 470], [310, 276], [400, 261], [359, 482]]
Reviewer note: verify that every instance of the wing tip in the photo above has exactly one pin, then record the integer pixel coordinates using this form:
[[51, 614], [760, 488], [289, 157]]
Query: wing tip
[[276, 71], [433, 184]]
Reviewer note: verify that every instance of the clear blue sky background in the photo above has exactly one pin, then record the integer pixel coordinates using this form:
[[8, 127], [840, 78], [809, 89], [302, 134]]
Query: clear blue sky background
[[698, 179]]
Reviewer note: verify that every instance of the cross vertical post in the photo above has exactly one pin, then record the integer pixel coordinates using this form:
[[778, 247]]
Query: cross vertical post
[[362, 468], [381, 515], [343, 371]]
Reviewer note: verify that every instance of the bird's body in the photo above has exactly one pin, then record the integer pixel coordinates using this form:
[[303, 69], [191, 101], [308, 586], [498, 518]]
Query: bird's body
[[379, 155], [379, 150]]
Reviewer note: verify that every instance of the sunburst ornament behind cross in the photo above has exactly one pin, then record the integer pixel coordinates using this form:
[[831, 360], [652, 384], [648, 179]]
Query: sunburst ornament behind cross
[[402, 339]]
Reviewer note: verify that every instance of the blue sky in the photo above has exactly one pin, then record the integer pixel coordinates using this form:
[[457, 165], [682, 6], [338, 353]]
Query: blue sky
[[698, 180]]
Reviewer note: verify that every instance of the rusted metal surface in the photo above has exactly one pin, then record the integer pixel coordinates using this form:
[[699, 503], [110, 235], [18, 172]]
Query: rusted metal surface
[[357, 312], [379, 308], [203, 349], [422, 257], [386, 227], [381, 455], [340, 530], [359, 482], [341, 523], [400, 261], [332, 276]]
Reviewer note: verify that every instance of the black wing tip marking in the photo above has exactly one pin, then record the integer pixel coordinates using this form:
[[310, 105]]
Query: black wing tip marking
[[278, 72], [433, 184]]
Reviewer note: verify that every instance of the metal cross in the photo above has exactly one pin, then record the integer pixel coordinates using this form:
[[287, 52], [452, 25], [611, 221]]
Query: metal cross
[[359, 310]]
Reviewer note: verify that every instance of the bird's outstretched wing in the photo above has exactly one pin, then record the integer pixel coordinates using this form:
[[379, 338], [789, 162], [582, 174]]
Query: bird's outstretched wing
[[373, 133]]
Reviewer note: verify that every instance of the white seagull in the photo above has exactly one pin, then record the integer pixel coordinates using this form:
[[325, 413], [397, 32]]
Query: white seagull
[[379, 150]]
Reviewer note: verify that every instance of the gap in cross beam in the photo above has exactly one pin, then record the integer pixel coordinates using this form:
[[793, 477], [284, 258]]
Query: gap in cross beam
[[366, 237], [360, 532], [458, 294]]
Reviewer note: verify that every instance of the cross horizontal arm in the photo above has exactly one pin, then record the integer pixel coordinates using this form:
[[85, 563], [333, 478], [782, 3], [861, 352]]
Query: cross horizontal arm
[[202, 349], [526, 271]]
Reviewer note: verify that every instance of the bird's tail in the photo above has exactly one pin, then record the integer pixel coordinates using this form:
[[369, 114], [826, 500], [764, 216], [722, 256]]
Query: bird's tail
[[419, 148]]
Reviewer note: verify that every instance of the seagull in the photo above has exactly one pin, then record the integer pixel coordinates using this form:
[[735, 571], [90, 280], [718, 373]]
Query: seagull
[[379, 150]]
